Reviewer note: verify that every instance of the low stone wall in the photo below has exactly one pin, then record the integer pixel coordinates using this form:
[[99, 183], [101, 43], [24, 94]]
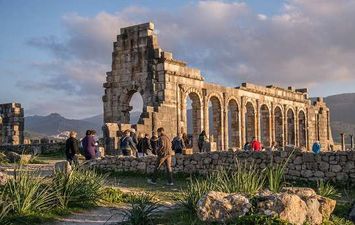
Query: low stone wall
[[337, 166], [47, 148]]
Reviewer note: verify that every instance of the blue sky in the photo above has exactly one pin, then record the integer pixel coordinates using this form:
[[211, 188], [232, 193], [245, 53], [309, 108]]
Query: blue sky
[[54, 54]]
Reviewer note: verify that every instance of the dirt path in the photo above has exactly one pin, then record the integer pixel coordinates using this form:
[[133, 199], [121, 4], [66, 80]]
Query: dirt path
[[97, 216]]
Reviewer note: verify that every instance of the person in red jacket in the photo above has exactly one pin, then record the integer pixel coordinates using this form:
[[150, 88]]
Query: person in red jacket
[[256, 145]]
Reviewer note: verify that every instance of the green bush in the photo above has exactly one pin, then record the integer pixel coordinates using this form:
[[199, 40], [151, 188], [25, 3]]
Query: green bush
[[28, 193], [112, 195], [327, 190], [4, 209], [275, 174], [79, 188], [142, 210], [193, 193]]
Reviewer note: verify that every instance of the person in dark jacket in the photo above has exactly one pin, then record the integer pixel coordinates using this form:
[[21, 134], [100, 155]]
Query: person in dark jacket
[[146, 146], [72, 148], [127, 146], [202, 139], [134, 136], [164, 157], [89, 146], [178, 144], [154, 143]]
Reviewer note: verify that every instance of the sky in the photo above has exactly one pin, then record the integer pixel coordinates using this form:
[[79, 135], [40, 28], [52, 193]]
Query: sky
[[54, 54]]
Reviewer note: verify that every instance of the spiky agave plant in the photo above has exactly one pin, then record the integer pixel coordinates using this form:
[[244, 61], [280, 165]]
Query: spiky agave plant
[[28, 192], [327, 190]]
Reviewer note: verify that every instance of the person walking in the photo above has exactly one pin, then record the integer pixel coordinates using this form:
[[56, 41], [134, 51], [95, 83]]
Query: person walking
[[89, 145], [72, 149], [178, 144], [316, 147], [255, 145], [134, 136], [140, 146], [202, 139], [164, 157], [154, 143], [127, 146]]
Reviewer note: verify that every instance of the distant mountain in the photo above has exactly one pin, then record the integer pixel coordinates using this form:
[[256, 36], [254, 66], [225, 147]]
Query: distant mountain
[[54, 124], [342, 114]]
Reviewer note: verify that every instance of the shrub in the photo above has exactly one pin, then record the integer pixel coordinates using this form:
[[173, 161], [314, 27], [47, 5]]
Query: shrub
[[79, 188], [194, 192], [5, 208], [325, 189], [112, 195], [142, 210], [28, 193], [275, 174]]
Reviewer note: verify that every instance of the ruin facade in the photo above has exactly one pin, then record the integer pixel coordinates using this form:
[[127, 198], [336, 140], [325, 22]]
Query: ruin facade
[[11, 124], [269, 113]]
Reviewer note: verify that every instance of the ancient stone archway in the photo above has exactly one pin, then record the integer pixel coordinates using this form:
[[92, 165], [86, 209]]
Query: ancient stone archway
[[265, 136], [192, 117], [215, 126], [291, 135], [302, 129], [233, 124], [278, 126], [250, 130], [140, 65], [127, 107]]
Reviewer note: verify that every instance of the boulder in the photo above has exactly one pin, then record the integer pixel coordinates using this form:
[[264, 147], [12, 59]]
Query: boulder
[[63, 167], [288, 207], [220, 207]]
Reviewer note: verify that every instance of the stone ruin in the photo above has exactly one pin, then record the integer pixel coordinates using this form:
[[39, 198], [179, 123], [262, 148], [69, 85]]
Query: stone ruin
[[272, 114], [11, 124]]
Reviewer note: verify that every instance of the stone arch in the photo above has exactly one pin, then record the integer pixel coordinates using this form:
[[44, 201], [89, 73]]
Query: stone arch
[[291, 134], [265, 136], [126, 108], [302, 128], [194, 118], [233, 123], [250, 121], [278, 126], [215, 120]]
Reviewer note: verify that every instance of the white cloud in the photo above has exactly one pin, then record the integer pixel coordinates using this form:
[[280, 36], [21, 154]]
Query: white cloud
[[310, 42]]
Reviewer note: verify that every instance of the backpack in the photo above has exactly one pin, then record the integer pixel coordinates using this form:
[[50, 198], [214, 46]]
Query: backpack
[[124, 143]]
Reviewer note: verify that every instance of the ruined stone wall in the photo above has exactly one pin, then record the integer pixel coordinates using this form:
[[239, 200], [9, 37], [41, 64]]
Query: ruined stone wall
[[336, 166], [271, 114], [12, 125], [48, 148]]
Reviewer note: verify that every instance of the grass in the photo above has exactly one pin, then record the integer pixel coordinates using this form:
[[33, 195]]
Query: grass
[[327, 190]]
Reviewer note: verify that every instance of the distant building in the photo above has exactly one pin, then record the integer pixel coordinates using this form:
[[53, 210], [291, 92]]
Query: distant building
[[11, 124]]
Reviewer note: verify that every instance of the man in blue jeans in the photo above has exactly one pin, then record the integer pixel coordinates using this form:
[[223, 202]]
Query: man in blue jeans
[[127, 146]]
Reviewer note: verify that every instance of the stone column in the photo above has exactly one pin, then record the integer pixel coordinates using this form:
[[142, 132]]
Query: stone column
[[272, 124], [285, 131], [257, 121], [351, 141], [242, 121], [342, 137]]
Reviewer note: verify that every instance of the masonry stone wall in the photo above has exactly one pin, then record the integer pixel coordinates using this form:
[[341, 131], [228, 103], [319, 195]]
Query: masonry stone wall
[[336, 166], [46, 148]]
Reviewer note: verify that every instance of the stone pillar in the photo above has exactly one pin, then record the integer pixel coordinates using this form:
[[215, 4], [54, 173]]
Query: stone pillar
[[257, 121], [226, 130], [351, 141], [242, 122], [285, 131], [342, 137]]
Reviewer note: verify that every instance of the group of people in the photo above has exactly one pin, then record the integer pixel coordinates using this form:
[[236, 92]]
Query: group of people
[[89, 145], [144, 145]]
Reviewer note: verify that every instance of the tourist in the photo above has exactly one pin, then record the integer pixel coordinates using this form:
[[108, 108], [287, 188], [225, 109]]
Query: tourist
[[273, 146], [255, 145], [202, 139], [164, 157], [178, 144], [247, 146], [89, 146], [146, 146], [97, 150], [133, 135], [72, 148], [186, 140], [316, 147], [140, 146], [127, 146], [154, 143]]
